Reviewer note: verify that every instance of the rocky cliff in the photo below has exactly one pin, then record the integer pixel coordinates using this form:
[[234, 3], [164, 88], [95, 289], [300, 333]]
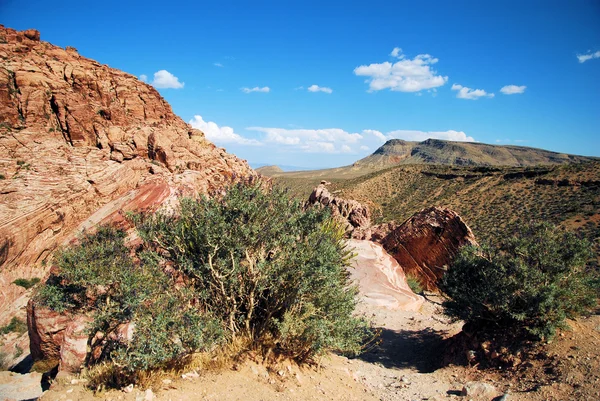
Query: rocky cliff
[[79, 143]]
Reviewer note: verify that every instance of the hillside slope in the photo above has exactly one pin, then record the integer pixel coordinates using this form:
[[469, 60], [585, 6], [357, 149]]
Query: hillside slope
[[493, 201], [80, 141], [436, 151]]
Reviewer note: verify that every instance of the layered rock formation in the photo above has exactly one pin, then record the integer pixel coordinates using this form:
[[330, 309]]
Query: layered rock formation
[[426, 243], [355, 216], [381, 281], [79, 142]]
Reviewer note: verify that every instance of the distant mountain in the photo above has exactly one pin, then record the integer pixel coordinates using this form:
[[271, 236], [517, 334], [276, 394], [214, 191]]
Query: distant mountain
[[283, 167], [437, 151], [268, 170]]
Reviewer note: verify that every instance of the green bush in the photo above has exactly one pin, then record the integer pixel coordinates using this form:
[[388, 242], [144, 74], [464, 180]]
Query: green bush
[[251, 264], [414, 283], [523, 288], [15, 325], [25, 283], [99, 277], [269, 269]]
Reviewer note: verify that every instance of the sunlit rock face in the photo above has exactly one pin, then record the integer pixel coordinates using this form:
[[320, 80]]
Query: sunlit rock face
[[80, 142], [381, 280]]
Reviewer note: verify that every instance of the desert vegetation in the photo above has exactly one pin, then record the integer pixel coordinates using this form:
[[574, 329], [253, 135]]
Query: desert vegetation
[[494, 201], [251, 265], [525, 287]]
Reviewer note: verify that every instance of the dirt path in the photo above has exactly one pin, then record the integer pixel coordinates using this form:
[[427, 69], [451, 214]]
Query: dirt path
[[404, 366]]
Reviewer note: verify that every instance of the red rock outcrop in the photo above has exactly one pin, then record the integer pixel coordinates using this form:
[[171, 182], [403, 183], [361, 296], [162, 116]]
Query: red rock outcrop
[[354, 214], [381, 280], [78, 142], [426, 243]]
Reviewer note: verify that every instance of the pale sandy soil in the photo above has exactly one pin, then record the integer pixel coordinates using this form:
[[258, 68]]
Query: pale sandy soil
[[405, 366]]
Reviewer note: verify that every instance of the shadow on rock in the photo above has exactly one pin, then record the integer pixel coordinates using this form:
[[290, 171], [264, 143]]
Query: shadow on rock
[[418, 349]]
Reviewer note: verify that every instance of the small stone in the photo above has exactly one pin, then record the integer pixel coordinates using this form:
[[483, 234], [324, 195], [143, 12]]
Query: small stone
[[478, 390], [128, 389], [167, 381], [149, 396]]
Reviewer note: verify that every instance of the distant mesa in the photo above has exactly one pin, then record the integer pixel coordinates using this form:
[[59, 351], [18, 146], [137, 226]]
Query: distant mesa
[[268, 170], [437, 151]]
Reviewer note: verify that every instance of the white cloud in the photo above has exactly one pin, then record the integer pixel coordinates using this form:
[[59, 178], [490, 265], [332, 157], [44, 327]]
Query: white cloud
[[419, 136], [396, 52], [165, 80], [317, 88], [405, 75], [264, 89], [363, 147], [377, 134], [144, 78], [330, 140], [589, 56], [513, 89], [468, 93], [220, 135], [218, 64]]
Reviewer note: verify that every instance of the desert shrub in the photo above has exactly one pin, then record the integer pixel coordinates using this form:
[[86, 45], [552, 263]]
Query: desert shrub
[[15, 325], [414, 283], [525, 287], [98, 276], [267, 268], [25, 283]]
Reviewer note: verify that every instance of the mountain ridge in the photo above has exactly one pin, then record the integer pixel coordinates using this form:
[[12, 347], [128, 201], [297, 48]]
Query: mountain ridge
[[438, 151]]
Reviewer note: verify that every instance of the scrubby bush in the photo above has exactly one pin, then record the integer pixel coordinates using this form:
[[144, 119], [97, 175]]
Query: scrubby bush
[[525, 287], [98, 276], [15, 325], [250, 265], [269, 269], [26, 283]]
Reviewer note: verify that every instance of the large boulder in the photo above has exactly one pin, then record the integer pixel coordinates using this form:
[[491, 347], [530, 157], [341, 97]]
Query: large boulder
[[426, 244], [381, 281]]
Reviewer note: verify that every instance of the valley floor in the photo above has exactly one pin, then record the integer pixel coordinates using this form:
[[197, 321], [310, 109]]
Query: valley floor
[[404, 366]]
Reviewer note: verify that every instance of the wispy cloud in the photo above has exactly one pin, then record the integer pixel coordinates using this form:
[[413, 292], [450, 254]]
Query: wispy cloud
[[163, 79], [513, 89], [588, 56], [264, 89], [220, 135], [470, 94], [218, 65], [405, 75], [329, 140], [317, 88], [419, 136]]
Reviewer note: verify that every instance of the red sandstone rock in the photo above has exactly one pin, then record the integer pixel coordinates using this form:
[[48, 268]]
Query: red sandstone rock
[[46, 331], [73, 350], [353, 213], [426, 243], [78, 142], [381, 281]]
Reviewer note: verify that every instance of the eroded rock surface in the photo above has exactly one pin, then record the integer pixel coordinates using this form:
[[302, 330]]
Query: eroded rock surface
[[14, 386], [353, 214], [80, 141], [381, 280], [426, 243]]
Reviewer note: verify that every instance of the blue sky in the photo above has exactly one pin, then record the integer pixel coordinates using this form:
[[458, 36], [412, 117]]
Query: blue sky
[[321, 84]]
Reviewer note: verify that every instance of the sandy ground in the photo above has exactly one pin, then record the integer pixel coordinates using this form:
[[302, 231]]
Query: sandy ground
[[404, 366]]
